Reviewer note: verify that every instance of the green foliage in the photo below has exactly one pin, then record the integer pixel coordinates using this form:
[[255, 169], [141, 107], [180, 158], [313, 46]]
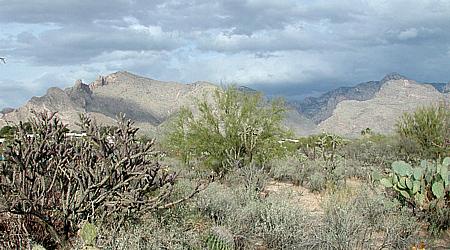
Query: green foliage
[[7, 131], [324, 146], [291, 169], [364, 221], [89, 234], [429, 128], [317, 182], [235, 129], [374, 151], [425, 187]]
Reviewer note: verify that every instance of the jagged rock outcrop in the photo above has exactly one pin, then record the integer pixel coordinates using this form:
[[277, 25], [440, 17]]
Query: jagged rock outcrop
[[380, 113], [81, 94]]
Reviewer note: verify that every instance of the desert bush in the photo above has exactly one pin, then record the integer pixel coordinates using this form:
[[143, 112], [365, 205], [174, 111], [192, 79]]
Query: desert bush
[[275, 221], [363, 221], [282, 224], [315, 174], [429, 128], [251, 178], [288, 169], [317, 182], [152, 233], [218, 202], [356, 168], [426, 188], [234, 130], [180, 227], [53, 182], [377, 151]]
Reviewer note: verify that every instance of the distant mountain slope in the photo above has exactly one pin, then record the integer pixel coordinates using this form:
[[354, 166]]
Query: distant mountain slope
[[441, 87], [150, 103], [382, 111], [320, 108]]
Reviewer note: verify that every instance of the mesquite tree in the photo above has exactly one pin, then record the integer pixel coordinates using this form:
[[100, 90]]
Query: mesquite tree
[[54, 182], [233, 130]]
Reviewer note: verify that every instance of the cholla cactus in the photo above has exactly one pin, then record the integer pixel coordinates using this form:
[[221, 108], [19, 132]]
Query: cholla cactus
[[56, 182]]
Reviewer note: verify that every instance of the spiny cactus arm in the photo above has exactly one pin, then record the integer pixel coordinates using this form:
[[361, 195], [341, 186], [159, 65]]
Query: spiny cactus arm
[[199, 187], [50, 228]]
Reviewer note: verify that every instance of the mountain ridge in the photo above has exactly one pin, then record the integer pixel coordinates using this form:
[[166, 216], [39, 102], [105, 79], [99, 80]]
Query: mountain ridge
[[320, 108], [381, 112], [150, 103]]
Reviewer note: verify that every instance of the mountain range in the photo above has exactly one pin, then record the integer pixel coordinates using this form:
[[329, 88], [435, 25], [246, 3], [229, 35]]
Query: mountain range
[[151, 103]]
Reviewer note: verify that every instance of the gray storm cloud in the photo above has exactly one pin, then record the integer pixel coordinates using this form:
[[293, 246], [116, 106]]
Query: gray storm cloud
[[286, 44]]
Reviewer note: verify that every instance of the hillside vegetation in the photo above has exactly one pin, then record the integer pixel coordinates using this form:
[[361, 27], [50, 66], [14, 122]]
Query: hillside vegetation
[[226, 175]]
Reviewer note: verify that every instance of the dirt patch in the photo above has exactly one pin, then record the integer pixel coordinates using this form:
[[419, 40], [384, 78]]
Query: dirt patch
[[309, 201]]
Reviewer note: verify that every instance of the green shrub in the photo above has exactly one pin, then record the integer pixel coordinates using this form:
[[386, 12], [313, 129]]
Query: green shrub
[[324, 146], [289, 169], [317, 182], [218, 202], [234, 130], [429, 128], [363, 221], [282, 224], [252, 178], [375, 151]]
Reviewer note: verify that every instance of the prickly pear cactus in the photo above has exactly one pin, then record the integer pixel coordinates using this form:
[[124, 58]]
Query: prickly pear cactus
[[37, 247], [421, 185], [88, 234]]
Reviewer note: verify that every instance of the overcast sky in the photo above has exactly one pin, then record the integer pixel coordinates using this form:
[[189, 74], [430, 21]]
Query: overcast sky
[[293, 47]]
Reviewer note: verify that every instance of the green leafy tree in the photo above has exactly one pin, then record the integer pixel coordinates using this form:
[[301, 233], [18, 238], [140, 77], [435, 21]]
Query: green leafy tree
[[7, 131], [234, 129], [429, 129]]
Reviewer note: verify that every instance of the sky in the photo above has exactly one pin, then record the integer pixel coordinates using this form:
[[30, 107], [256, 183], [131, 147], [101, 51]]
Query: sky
[[284, 47]]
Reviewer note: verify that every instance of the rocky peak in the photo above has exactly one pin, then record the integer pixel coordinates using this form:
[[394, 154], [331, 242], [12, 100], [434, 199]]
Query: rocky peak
[[119, 76], [393, 76], [80, 93], [80, 86], [100, 81]]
